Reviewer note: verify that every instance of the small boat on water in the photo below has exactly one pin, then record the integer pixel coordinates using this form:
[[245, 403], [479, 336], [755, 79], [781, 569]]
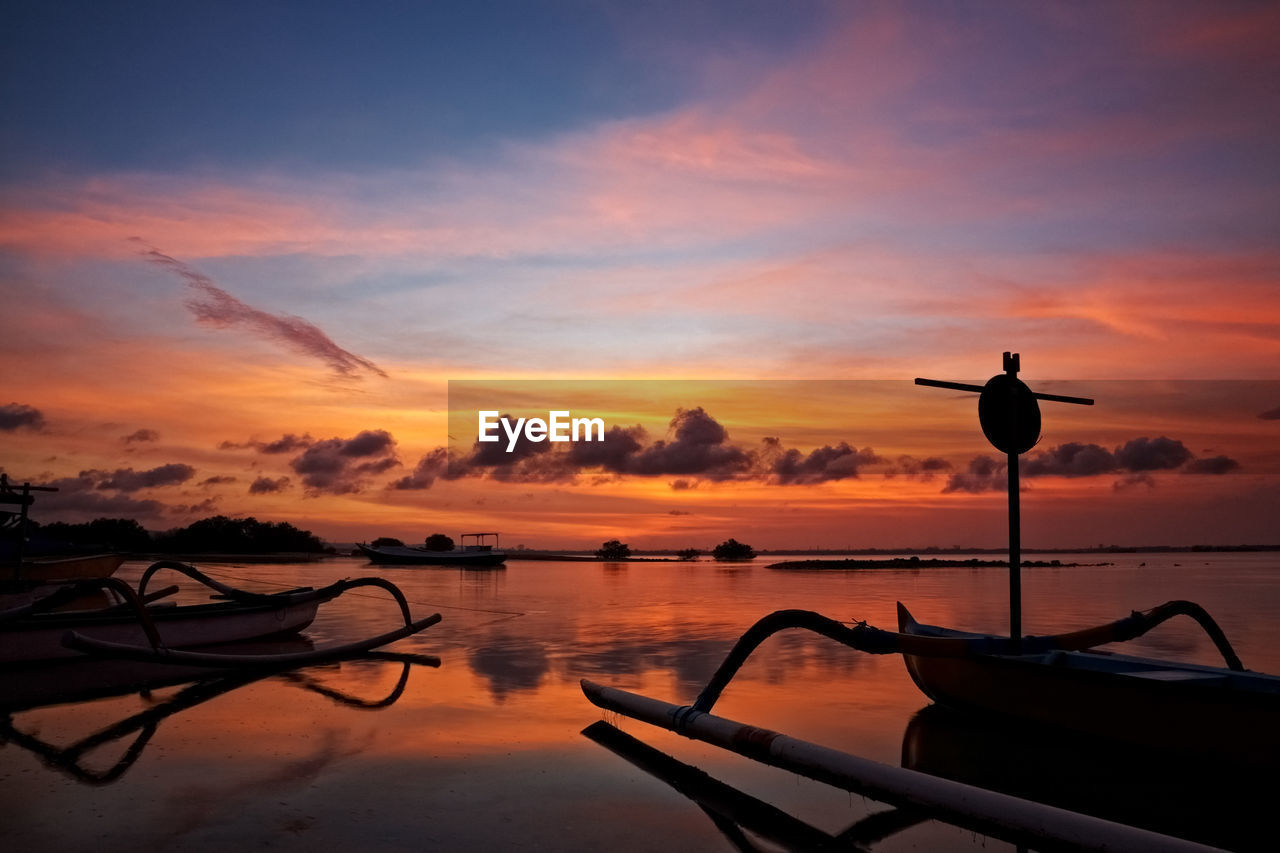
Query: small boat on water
[[138, 625], [479, 552]]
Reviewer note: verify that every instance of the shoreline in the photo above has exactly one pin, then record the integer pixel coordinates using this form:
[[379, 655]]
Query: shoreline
[[917, 563]]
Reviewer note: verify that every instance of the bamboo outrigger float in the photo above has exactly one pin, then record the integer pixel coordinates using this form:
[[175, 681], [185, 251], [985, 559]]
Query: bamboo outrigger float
[[998, 815], [1226, 713]]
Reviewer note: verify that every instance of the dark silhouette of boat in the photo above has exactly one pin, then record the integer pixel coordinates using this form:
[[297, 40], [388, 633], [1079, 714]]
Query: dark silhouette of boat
[[1224, 713], [477, 553], [140, 625]]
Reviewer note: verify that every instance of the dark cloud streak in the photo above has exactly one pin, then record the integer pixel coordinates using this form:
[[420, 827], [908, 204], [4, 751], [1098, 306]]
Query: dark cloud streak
[[338, 466], [1135, 460], [128, 480], [215, 307], [267, 485], [14, 416]]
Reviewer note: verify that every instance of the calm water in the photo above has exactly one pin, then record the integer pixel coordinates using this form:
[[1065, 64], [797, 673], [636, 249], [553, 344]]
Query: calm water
[[486, 751]]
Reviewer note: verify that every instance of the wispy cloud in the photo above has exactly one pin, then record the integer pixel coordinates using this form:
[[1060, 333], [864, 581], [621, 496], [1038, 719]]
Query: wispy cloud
[[215, 307]]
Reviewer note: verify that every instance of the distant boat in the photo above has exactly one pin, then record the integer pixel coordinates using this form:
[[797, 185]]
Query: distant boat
[[477, 553]]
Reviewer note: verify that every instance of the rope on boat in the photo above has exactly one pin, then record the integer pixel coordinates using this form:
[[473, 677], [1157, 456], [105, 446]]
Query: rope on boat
[[876, 641]]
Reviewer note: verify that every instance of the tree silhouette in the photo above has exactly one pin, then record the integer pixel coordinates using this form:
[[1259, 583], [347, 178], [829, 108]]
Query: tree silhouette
[[688, 554], [120, 534], [438, 542], [614, 550], [222, 535], [732, 549]]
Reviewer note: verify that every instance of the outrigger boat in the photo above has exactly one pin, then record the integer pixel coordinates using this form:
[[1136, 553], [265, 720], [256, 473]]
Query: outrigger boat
[[480, 552], [140, 627], [1227, 713]]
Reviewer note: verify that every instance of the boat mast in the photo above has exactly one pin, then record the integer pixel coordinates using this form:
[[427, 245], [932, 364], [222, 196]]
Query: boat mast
[[23, 499], [1010, 419]]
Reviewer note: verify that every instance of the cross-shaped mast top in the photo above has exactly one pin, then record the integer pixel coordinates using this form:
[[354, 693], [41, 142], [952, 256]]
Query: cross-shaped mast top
[[1010, 419], [1010, 369]]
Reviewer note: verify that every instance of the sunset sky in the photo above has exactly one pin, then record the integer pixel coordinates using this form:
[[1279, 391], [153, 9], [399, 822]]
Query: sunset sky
[[246, 247]]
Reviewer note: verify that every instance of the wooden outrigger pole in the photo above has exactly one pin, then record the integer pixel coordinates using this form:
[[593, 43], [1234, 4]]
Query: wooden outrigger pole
[[1019, 821], [1010, 419]]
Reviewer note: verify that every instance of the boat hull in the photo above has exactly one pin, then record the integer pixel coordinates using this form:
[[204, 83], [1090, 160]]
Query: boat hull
[[39, 638], [408, 556], [1206, 711], [50, 569]]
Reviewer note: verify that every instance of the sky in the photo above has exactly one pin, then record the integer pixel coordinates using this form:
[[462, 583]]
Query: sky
[[245, 248]]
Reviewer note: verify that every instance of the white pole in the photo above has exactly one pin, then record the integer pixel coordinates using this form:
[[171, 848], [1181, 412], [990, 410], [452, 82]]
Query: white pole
[[999, 815]]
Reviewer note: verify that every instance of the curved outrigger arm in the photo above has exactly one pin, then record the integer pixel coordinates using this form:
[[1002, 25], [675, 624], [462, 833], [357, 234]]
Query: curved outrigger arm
[[876, 641], [306, 595], [224, 590]]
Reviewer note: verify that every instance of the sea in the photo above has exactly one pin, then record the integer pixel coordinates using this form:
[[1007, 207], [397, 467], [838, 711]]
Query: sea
[[472, 736]]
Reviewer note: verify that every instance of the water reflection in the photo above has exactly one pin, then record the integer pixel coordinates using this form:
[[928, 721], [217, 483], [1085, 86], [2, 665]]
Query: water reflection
[[487, 748], [637, 650], [510, 663], [135, 731], [1166, 793], [736, 814]]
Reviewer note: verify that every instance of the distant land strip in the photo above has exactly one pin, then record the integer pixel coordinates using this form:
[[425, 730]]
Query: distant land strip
[[917, 563], [932, 550]]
